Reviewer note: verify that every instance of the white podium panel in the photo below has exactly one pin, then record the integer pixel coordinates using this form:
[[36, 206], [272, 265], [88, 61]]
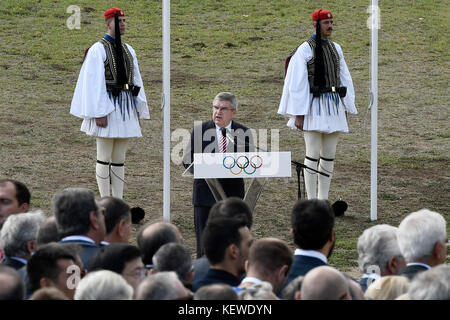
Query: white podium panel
[[242, 165]]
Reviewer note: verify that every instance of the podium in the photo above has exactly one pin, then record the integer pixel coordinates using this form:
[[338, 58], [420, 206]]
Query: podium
[[257, 166]]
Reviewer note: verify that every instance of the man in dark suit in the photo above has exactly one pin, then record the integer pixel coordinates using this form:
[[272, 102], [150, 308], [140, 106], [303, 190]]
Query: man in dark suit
[[422, 238], [227, 242], [227, 208], [80, 220], [221, 134], [18, 237], [313, 231], [378, 254]]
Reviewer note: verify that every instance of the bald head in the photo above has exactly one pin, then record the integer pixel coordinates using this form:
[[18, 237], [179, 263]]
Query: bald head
[[325, 283], [154, 235]]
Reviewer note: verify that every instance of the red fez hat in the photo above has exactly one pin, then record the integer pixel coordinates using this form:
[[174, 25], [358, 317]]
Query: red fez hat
[[110, 13], [321, 14]]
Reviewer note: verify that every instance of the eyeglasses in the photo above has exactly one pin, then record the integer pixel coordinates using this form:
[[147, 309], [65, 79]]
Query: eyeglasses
[[138, 273], [221, 109]]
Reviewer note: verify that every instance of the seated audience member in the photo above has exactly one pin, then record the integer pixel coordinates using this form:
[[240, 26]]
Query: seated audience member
[[387, 288], [14, 198], [269, 260], [122, 258], [79, 220], [378, 254], [50, 266], [229, 207], [354, 288], [257, 291], [422, 238], [152, 236], [313, 232], [18, 238], [216, 291], [162, 286], [103, 285], [49, 293], [433, 284], [12, 286], [292, 290], [48, 232], [117, 220], [174, 257], [325, 283], [226, 242]]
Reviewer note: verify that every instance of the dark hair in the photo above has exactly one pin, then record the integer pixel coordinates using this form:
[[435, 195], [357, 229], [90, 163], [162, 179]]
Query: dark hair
[[312, 222], [72, 208], [47, 232], [114, 257], [173, 257], [269, 254], [15, 292], [219, 233], [116, 210], [163, 233], [232, 207], [22, 193], [44, 263]]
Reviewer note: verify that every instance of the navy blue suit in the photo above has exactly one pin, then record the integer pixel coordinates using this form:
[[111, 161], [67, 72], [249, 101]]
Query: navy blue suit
[[202, 198], [89, 250], [216, 276], [301, 266], [15, 264]]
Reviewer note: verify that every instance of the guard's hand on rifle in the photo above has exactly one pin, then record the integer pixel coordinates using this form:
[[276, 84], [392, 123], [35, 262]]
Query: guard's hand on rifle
[[101, 122], [299, 122]]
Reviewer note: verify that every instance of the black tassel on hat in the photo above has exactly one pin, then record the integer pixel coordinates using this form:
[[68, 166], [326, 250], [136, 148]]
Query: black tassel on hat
[[319, 69], [121, 73]]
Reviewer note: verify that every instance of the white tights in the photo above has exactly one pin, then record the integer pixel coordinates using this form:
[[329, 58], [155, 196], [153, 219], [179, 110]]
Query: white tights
[[320, 149], [110, 165]]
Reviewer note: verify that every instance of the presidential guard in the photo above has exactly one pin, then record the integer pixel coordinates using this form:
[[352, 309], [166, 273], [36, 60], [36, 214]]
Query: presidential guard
[[317, 95], [110, 98]]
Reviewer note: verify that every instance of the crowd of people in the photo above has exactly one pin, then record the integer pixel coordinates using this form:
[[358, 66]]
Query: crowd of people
[[82, 251]]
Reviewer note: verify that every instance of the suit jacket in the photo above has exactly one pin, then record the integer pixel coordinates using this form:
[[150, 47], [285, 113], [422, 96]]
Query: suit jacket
[[89, 250], [411, 271], [216, 276], [203, 143], [15, 264], [301, 266]]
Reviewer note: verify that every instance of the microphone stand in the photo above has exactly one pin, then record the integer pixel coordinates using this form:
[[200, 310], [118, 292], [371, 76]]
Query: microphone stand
[[299, 168]]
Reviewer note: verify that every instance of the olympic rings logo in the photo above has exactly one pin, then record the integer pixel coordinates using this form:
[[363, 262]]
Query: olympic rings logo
[[242, 163]]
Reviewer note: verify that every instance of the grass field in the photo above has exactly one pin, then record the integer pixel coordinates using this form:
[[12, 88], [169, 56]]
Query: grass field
[[237, 46]]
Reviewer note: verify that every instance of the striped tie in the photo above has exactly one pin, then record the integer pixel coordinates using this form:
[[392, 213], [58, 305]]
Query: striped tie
[[223, 141]]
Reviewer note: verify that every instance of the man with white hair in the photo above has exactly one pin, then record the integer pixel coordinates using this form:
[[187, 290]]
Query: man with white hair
[[325, 283], [18, 238], [422, 239], [103, 285], [433, 284], [163, 285], [378, 254]]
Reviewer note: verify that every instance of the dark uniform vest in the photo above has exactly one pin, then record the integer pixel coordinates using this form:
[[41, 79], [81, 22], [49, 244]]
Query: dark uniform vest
[[111, 65], [331, 64]]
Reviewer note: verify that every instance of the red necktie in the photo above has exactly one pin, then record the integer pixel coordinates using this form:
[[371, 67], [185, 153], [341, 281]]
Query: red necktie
[[223, 141]]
